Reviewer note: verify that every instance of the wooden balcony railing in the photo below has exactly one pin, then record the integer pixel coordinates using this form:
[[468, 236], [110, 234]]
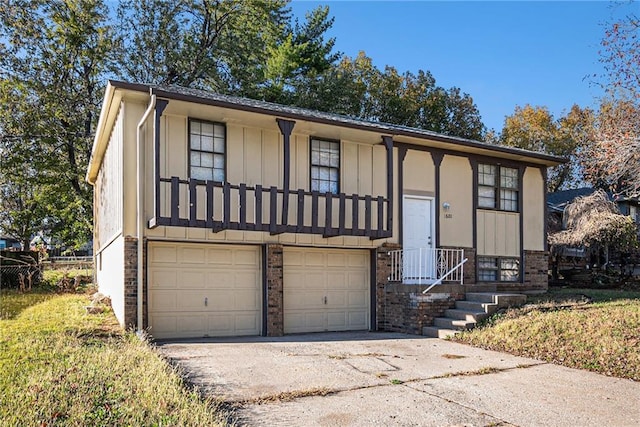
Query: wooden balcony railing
[[223, 206]]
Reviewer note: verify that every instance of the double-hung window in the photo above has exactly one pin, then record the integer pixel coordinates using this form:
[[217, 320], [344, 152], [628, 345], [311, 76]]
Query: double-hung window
[[498, 187], [325, 166], [207, 149]]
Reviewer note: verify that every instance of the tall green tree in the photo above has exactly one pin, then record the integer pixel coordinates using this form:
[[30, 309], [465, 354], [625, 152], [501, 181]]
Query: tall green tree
[[535, 128], [354, 86], [52, 70]]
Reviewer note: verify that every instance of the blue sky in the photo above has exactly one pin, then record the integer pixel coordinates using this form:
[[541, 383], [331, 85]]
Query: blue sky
[[503, 54]]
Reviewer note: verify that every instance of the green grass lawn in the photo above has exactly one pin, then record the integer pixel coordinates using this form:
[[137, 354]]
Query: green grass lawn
[[597, 330], [61, 366]]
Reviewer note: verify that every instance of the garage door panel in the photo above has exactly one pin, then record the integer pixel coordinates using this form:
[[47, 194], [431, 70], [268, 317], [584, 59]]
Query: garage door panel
[[335, 260], [337, 321], [198, 290], [245, 300], [192, 279], [219, 256], [337, 299], [192, 256], [163, 278], [246, 280], [314, 259], [357, 319], [325, 289], [246, 258], [163, 300], [164, 254], [358, 260], [355, 279], [358, 299]]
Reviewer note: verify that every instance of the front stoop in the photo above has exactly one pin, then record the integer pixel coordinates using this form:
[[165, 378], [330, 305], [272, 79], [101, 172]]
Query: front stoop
[[475, 307]]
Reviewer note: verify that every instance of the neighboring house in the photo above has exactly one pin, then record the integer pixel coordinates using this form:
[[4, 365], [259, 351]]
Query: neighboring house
[[556, 202], [257, 218], [568, 261], [7, 242]]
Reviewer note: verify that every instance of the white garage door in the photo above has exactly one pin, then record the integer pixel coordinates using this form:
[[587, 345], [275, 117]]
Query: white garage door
[[198, 290], [325, 290]]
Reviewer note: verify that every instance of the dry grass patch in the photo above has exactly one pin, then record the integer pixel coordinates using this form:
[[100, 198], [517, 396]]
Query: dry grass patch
[[62, 366], [602, 337]]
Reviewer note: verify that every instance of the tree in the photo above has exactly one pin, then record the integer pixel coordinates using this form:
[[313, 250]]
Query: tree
[[52, 71], [595, 222], [357, 88], [614, 161], [570, 136]]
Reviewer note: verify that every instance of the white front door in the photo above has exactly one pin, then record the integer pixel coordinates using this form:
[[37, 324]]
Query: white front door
[[418, 265]]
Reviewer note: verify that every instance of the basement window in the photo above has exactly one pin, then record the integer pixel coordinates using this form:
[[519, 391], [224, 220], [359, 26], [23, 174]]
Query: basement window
[[493, 269]]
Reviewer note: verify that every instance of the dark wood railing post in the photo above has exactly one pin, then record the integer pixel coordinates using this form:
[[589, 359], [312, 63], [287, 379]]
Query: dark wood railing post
[[161, 104], [388, 145], [175, 200], [286, 127], [193, 202]]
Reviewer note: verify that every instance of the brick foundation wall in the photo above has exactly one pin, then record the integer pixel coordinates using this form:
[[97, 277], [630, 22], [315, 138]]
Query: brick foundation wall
[[275, 293], [403, 308], [130, 282]]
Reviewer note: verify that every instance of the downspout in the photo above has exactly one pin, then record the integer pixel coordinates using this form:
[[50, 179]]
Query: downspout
[[140, 211]]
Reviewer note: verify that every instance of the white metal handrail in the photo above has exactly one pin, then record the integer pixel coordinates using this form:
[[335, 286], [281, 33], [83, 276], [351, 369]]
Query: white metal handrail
[[427, 266]]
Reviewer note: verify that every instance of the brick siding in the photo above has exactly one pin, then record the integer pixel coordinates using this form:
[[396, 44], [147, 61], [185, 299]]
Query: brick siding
[[275, 300]]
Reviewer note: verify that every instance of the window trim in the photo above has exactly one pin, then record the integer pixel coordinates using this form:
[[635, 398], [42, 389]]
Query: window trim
[[214, 123], [498, 269], [498, 187], [311, 165]]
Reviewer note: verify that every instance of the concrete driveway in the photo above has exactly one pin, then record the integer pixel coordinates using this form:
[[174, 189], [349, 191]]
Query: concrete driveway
[[363, 379]]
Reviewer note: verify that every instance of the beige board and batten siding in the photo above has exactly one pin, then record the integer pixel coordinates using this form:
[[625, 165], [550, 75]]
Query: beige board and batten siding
[[254, 156], [534, 210], [498, 233], [108, 190], [198, 290], [325, 290], [456, 189]]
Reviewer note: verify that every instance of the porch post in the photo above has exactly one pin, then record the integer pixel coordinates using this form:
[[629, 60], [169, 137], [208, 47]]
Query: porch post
[[161, 104], [286, 127], [388, 145], [437, 161]]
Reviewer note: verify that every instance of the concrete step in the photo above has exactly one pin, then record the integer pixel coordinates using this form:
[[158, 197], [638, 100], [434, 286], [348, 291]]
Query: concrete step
[[477, 307], [432, 331], [457, 324], [465, 315], [503, 300]]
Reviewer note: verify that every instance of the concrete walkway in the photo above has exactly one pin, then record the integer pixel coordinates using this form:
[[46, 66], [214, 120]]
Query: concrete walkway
[[365, 379]]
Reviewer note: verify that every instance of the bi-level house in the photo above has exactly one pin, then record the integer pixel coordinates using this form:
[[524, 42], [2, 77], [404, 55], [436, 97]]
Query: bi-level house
[[223, 216]]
